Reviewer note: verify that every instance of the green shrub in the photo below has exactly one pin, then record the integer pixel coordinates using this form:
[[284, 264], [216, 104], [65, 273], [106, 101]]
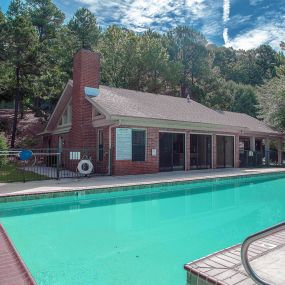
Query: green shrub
[[3, 146]]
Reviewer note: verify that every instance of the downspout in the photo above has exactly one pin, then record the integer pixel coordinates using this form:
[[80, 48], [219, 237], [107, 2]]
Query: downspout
[[111, 127]]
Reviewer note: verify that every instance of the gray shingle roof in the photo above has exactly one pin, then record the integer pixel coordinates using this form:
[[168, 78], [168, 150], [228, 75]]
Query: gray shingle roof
[[129, 103]]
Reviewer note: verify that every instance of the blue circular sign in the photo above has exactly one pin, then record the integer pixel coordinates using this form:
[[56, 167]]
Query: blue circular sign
[[25, 154]]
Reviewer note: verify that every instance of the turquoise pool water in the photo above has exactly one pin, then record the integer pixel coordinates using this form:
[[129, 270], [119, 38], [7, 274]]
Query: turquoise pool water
[[142, 236]]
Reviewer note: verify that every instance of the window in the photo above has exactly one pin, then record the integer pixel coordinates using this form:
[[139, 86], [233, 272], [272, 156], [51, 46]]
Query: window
[[100, 145], [66, 116], [138, 145]]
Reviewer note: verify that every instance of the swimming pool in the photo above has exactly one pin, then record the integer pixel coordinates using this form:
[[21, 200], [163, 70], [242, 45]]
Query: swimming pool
[[141, 236]]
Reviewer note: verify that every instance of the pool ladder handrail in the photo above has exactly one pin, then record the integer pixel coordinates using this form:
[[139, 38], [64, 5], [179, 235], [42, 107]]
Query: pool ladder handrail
[[246, 244]]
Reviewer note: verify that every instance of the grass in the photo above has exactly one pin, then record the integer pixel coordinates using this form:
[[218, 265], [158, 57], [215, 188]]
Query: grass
[[10, 173]]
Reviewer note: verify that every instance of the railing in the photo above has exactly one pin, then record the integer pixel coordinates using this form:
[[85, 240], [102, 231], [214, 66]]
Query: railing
[[44, 164], [260, 158], [245, 246]]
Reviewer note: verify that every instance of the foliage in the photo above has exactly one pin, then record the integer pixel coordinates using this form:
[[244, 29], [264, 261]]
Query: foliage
[[84, 27], [10, 173], [271, 97], [3, 147], [37, 47], [187, 48]]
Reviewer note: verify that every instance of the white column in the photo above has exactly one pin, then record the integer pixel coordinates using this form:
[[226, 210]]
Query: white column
[[267, 149], [252, 143], [280, 145]]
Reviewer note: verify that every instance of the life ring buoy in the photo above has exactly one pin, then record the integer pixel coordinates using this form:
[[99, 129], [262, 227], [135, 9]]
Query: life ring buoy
[[85, 166]]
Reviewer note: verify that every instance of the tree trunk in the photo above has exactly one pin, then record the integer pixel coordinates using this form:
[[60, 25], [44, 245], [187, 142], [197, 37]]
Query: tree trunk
[[16, 110], [183, 89], [21, 106]]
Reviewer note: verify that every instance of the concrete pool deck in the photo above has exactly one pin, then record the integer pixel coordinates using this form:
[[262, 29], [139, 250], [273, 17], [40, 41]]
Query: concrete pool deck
[[70, 184], [266, 256]]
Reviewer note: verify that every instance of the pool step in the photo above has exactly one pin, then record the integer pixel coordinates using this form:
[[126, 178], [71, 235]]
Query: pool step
[[13, 271], [267, 257]]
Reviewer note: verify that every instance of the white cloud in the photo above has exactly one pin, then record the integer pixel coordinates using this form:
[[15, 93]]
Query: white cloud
[[226, 18], [264, 34], [226, 10], [140, 15], [226, 36]]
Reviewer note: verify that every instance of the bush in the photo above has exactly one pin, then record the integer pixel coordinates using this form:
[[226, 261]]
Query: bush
[[3, 146]]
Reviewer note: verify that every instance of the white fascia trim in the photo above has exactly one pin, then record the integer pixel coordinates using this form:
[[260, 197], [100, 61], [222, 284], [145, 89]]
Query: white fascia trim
[[177, 124], [262, 134], [99, 108]]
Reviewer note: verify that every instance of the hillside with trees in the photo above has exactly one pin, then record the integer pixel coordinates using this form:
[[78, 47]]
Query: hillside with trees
[[37, 46]]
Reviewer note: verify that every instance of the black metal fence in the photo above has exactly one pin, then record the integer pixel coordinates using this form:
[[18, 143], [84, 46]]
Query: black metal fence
[[44, 164], [260, 158]]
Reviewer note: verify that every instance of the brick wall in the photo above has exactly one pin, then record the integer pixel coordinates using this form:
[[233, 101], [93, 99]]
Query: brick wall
[[150, 165], [86, 73]]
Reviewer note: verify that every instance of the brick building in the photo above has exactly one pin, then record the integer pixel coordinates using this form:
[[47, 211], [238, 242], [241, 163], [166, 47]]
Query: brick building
[[134, 132]]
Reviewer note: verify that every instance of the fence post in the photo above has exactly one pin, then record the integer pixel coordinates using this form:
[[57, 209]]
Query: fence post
[[58, 164], [110, 161]]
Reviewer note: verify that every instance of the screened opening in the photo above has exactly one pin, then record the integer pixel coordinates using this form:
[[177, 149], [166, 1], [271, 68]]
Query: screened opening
[[225, 151], [171, 151], [200, 151]]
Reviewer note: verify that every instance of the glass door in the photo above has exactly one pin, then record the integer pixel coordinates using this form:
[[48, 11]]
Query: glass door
[[171, 151], [165, 151], [225, 151], [200, 151], [178, 151]]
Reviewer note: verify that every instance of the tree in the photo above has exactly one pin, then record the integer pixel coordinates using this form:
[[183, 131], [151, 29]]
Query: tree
[[46, 17], [188, 48], [271, 98], [119, 51], [48, 21], [84, 27], [244, 98], [20, 52], [153, 61]]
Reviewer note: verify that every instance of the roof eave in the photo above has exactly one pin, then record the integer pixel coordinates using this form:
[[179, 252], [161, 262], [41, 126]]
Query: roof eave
[[168, 123], [99, 108]]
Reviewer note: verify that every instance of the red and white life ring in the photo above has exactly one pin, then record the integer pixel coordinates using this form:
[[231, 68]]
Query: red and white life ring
[[85, 166]]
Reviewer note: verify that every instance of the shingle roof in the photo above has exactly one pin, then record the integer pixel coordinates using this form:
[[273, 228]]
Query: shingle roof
[[129, 103]]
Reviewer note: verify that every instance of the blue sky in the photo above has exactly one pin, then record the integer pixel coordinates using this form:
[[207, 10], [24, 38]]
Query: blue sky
[[241, 24]]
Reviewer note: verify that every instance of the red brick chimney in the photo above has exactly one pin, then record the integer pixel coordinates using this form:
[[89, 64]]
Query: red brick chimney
[[86, 73]]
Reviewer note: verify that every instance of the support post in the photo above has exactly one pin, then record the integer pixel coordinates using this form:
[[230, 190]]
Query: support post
[[252, 143], [267, 151], [187, 151], [236, 162], [214, 151], [58, 164], [280, 152]]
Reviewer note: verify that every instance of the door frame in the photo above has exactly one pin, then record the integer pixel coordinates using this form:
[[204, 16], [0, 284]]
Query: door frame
[[185, 152]]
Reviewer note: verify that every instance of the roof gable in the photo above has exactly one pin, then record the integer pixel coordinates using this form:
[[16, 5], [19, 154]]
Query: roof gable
[[60, 107]]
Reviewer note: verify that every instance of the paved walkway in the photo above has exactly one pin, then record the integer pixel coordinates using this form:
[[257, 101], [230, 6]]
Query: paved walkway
[[12, 269], [69, 184], [267, 258]]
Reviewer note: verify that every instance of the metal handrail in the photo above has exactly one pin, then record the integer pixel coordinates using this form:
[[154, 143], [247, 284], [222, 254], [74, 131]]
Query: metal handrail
[[246, 244]]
